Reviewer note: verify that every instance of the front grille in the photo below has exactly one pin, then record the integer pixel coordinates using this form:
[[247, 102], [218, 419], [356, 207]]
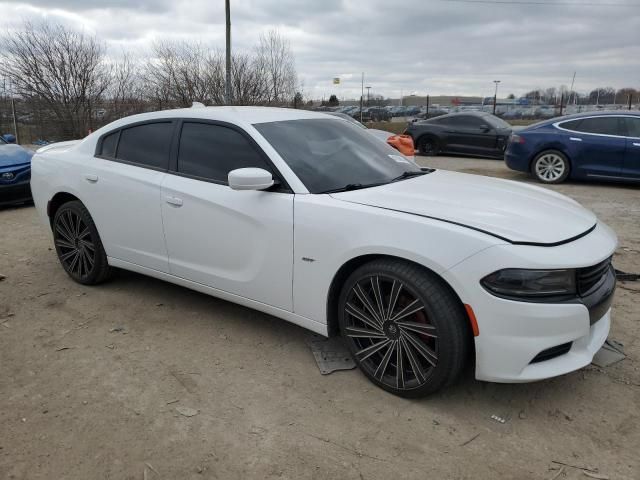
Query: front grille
[[589, 278], [552, 352]]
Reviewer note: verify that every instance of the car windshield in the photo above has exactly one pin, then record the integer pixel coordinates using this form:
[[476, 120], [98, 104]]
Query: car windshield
[[331, 155], [2, 141]]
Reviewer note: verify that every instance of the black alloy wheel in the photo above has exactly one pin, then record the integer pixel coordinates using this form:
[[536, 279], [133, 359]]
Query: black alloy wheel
[[406, 331], [78, 244], [428, 146]]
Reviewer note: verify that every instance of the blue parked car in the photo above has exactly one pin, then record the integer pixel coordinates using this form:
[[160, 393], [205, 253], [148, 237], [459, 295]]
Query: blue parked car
[[15, 173], [602, 146]]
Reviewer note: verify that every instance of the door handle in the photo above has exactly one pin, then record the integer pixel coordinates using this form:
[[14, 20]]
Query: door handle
[[174, 201], [91, 178], [636, 144], [575, 139]]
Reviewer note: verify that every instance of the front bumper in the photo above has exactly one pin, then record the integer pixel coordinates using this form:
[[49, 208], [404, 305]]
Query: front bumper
[[513, 333], [15, 193]]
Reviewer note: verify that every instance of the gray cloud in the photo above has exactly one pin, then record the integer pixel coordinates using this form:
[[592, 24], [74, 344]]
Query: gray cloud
[[421, 46]]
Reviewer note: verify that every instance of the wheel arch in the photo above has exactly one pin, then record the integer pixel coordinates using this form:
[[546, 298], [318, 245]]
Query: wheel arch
[[59, 199], [354, 263], [551, 147]]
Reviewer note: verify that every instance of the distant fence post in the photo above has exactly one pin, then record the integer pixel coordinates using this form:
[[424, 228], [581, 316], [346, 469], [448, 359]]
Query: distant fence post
[[561, 102], [427, 106], [630, 98]]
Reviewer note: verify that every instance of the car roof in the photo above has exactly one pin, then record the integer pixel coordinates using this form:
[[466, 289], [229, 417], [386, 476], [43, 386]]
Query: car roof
[[576, 116], [232, 114], [473, 113]]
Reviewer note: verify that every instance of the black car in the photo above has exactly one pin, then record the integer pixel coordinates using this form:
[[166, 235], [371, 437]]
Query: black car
[[469, 133]]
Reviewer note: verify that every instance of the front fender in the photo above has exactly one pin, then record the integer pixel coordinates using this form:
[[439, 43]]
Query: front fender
[[320, 252]]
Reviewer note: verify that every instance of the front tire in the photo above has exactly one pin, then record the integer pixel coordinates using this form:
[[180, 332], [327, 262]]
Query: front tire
[[550, 166], [406, 330], [78, 244], [428, 146]]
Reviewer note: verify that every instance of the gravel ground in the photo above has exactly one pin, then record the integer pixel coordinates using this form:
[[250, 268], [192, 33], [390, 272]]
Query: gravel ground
[[93, 380]]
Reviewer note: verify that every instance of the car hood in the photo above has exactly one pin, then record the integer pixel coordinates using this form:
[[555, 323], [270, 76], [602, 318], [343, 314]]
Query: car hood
[[13, 155], [512, 211], [381, 134]]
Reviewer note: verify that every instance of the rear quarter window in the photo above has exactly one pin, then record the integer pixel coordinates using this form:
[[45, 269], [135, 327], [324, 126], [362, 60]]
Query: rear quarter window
[[109, 144], [148, 144]]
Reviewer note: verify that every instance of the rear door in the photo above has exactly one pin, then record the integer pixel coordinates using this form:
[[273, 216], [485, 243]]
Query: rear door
[[596, 145], [631, 166], [122, 192], [240, 242]]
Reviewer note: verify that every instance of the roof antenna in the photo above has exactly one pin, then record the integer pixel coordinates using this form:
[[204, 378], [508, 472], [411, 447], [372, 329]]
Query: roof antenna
[[197, 105]]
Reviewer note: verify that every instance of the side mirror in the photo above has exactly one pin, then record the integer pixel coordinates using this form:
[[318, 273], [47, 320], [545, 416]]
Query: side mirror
[[250, 179], [485, 128]]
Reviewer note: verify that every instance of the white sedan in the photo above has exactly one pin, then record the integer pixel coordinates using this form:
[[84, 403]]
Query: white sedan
[[307, 218]]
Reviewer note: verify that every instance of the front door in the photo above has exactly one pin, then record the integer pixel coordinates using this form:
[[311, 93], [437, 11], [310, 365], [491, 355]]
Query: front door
[[240, 242], [472, 135]]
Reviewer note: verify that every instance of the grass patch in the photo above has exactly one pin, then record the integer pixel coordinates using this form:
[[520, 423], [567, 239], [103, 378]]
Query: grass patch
[[393, 127]]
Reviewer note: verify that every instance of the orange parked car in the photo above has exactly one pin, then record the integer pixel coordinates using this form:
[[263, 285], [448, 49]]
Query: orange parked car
[[402, 143]]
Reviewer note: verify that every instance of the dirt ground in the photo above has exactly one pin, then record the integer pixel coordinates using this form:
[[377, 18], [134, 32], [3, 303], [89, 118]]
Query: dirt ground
[[91, 379]]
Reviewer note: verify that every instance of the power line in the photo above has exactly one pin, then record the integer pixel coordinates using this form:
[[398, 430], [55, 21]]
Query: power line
[[550, 4]]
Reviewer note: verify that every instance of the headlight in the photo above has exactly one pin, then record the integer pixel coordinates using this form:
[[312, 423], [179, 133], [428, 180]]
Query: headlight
[[514, 282]]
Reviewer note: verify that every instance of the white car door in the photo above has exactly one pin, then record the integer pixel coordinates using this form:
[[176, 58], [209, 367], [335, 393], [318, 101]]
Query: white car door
[[240, 242], [122, 185]]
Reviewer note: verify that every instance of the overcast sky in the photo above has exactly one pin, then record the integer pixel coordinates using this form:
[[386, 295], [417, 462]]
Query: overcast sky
[[413, 46]]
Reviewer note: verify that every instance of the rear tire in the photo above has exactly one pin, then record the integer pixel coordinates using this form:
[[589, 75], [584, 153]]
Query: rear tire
[[78, 244], [550, 166], [406, 330]]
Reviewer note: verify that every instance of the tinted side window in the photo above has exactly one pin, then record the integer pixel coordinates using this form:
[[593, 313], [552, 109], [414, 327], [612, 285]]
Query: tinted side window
[[147, 144], [469, 121], [212, 151], [602, 125], [442, 121], [109, 144], [633, 127]]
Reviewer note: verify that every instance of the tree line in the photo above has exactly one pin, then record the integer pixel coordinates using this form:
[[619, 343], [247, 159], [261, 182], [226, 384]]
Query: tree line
[[600, 95], [66, 85]]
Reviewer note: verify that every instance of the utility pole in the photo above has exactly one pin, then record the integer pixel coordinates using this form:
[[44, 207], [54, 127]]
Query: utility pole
[[227, 86], [571, 90], [427, 116], [630, 96], [368, 90], [561, 101], [495, 96], [15, 123], [361, 96]]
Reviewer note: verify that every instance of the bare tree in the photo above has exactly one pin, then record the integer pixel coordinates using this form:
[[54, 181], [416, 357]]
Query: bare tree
[[125, 94], [59, 69], [249, 85], [276, 64], [180, 73]]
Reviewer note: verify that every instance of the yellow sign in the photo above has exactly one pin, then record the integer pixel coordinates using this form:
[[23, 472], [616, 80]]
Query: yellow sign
[[336, 80]]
